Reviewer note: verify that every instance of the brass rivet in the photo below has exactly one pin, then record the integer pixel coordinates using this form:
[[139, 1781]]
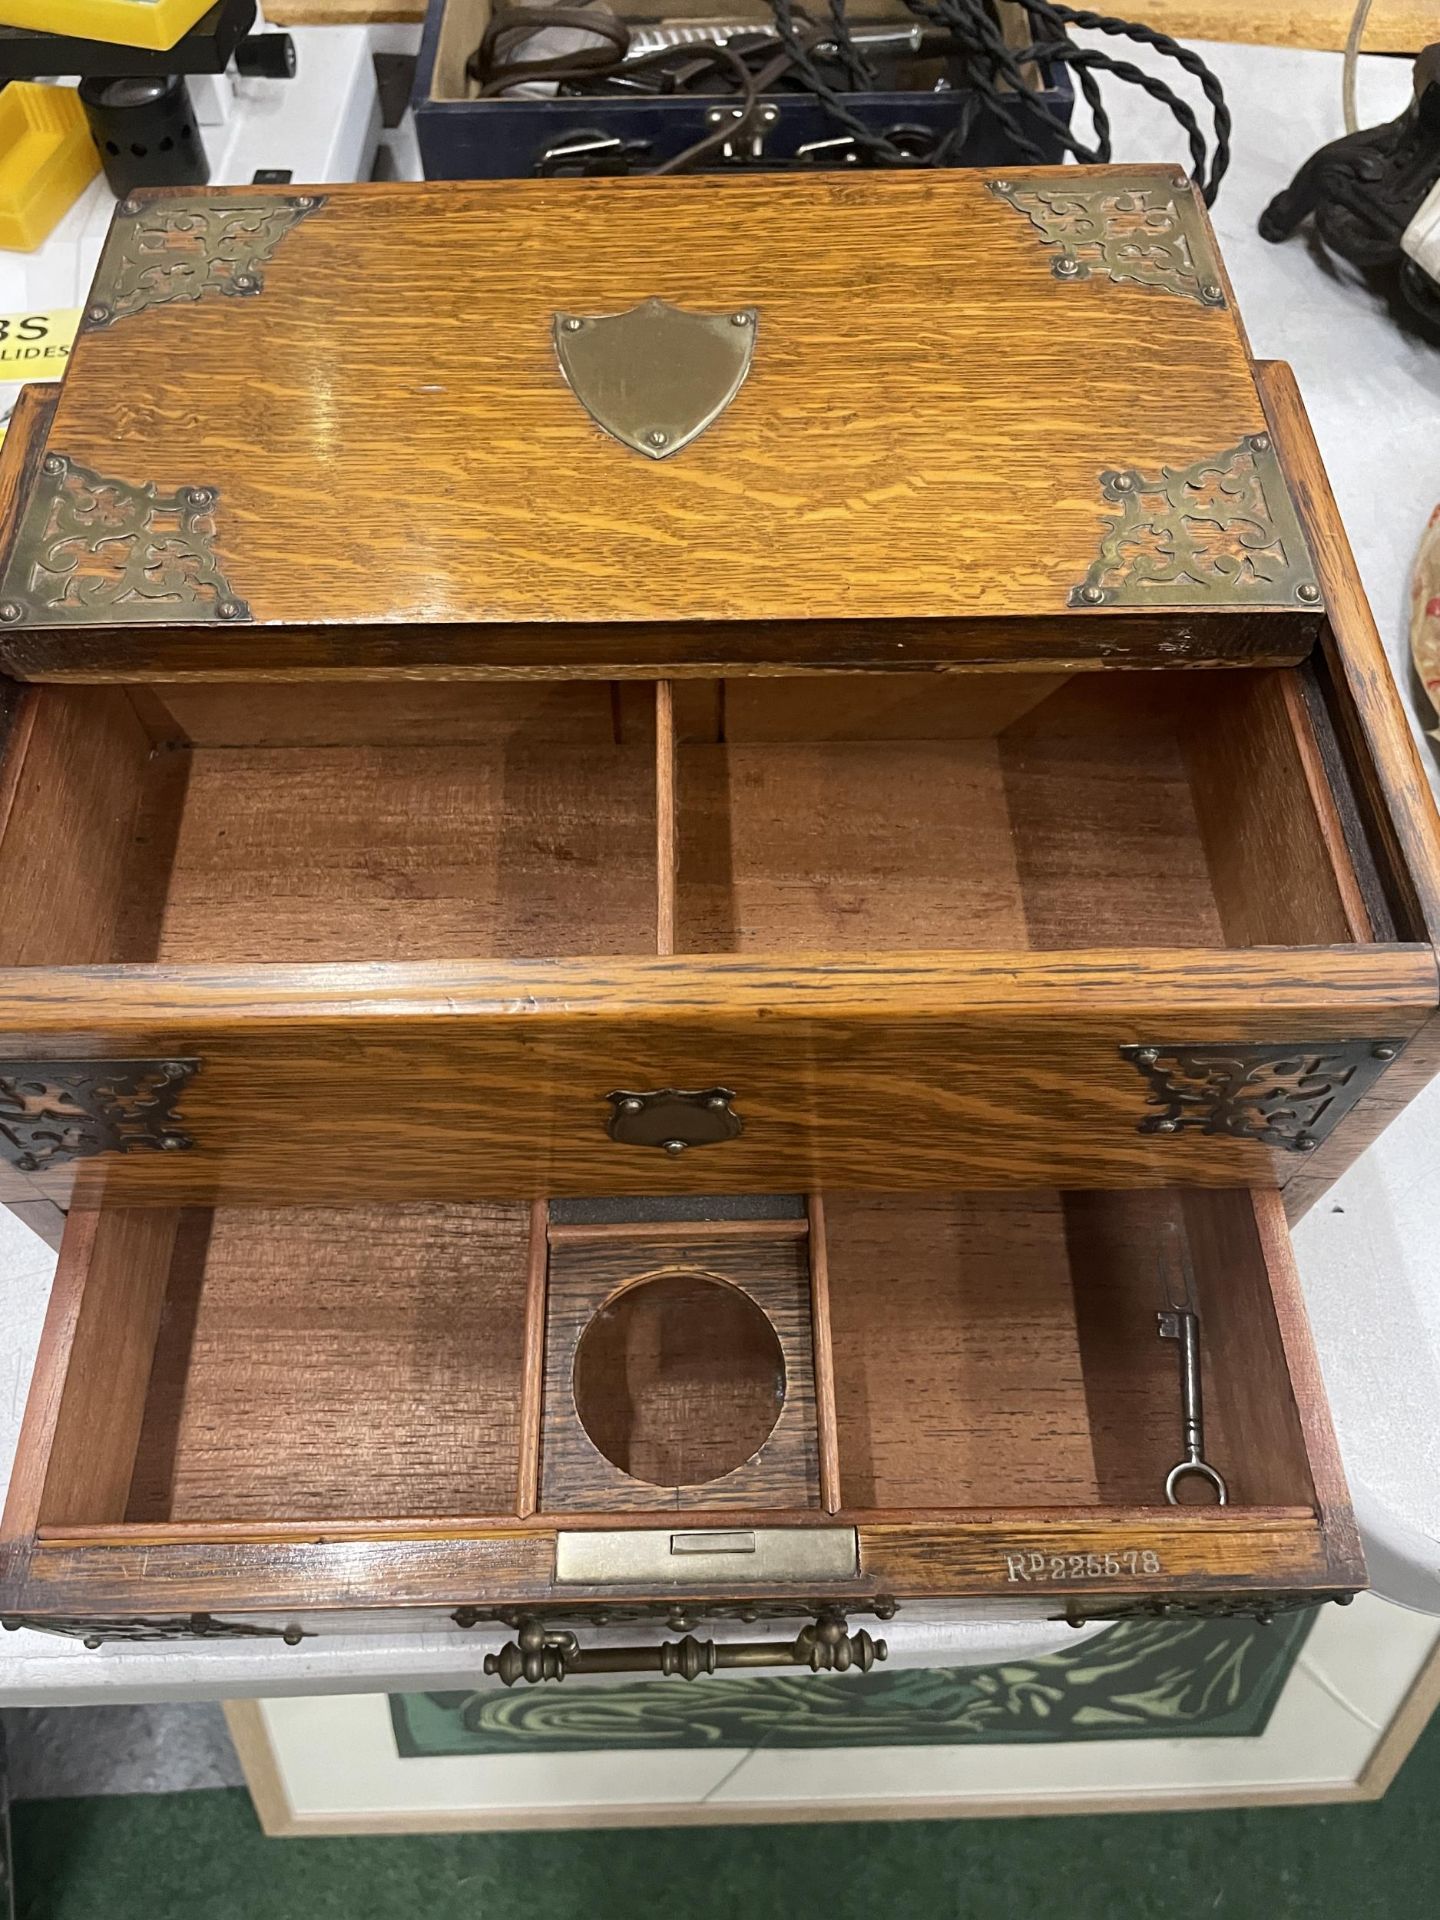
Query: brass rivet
[[129, 208], [657, 438], [1260, 442], [54, 465], [572, 325], [244, 283], [718, 1102], [1065, 268], [740, 319], [1306, 1142], [230, 610], [1213, 292], [1147, 1056], [97, 314], [292, 1636], [10, 612], [200, 496], [1166, 1126], [1001, 186], [305, 201], [1181, 183], [171, 1142], [1122, 483], [93, 1642], [1383, 1053], [1308, 592], [674, 1146], [632, 1106], [1092, 596]]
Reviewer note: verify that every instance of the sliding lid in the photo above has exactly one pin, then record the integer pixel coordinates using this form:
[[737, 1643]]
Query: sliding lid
[[894, 417]]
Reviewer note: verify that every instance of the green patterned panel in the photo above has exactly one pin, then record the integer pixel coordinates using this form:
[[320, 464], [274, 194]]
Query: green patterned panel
[[1139, 1680]]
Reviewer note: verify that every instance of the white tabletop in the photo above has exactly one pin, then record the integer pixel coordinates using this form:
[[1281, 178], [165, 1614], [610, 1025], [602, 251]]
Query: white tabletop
[[1367, 1251]]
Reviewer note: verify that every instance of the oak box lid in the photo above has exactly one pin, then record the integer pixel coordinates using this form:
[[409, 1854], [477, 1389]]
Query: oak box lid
[[948, 416]]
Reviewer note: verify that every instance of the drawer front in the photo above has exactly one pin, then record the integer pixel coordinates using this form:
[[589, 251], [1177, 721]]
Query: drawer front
[[1202, 1068], [552, 1415]]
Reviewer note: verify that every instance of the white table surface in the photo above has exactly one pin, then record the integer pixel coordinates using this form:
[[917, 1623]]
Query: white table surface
[[1368, 1250]]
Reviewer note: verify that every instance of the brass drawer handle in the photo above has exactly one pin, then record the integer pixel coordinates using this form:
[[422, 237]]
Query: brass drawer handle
[[673, 1118], [825, 1646]]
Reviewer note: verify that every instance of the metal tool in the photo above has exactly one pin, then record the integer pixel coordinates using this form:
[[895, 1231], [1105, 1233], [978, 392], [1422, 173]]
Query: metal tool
[[1182, 1324]]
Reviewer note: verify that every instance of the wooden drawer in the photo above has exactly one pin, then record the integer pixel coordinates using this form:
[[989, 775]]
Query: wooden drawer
[[411, 941], [491, 1410]]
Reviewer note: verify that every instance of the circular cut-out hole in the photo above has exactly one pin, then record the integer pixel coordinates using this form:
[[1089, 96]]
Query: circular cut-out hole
[[679, 1379]]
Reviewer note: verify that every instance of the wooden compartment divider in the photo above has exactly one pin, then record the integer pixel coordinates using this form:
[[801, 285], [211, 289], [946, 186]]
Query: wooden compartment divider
[[666, 845]]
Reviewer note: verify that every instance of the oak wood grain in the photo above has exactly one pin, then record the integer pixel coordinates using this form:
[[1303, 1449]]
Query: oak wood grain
[[869, 429], [458, 1082], [1389, 783]]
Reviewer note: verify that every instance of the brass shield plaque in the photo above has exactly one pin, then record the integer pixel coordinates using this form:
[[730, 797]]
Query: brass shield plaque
[[656, 377]]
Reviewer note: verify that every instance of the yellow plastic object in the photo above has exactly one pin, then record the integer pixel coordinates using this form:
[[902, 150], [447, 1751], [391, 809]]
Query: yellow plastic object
[[47, 158], [156, 24]]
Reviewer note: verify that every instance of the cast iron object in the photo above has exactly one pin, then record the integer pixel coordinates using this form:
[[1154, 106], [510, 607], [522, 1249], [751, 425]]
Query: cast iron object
[[1364, 190]]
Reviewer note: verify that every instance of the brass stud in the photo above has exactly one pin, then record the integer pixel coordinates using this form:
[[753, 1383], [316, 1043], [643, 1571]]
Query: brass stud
[[672, 1147], [94, 1642], [292, 1636], [1383, 1053], [632, 1105], [657, 438], [98, 314], [231, 610], [304, 202], [54, 465], [129, 207], [1065, 268], [10, 612], [245, 282], [1001, 186], [717, 1102], [1123, 482], [1260, 443], [200, 496], [1092, 596], [571, 324], [1167, 1125], [1306, 1142], [172, 1143], [1308, 592], [740, 319], [1147, 1056], [1213, 292]]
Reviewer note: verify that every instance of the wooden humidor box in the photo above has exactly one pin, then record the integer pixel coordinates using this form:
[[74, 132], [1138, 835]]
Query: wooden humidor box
[[563, 987]]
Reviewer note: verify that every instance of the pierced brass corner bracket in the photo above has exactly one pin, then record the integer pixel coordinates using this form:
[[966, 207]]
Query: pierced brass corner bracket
[[1287, 1097], [187, 246], [1220, 532], [1151, 234], [93, 551], [52, 1111]]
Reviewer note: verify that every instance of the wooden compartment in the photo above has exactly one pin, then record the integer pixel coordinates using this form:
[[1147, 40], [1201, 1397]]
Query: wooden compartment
[[969, 1380], [1010, 811], [268, 825]]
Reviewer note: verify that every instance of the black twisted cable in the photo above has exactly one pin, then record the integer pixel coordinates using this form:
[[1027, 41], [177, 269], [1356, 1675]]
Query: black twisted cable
[[862, 74], [1137, 77], [991, 61], [864, 136], [1048, 10]]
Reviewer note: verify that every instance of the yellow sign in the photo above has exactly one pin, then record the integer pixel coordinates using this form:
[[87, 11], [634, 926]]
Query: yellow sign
[[36, 346]]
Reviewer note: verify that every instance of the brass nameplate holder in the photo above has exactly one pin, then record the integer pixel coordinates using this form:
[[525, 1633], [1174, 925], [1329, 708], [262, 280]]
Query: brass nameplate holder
[[727, 1556], [656, 377]]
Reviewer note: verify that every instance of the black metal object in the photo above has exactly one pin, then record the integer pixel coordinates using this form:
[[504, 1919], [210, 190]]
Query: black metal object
[[208, 47], [1363, 190], [96, 1631], [52, 1111], [145, 129], [1261, 1607], [1288, 1097]]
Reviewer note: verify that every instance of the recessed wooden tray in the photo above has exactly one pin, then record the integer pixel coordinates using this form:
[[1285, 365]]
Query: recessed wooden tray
[[984, 1398]]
